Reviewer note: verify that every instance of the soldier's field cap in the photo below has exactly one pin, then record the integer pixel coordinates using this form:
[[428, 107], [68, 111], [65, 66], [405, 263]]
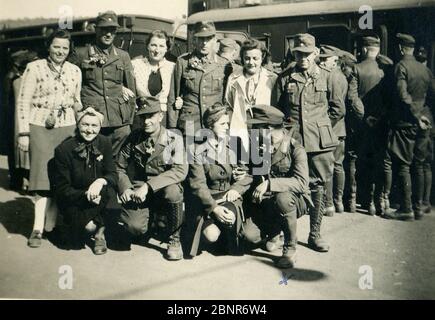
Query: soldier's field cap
[[384, 60], [329, 51], [370, 41], [305, 42], [266, 115], [348, 57], [204, 29], [149, 105], [228, 42], [406, 40], [107, 19]]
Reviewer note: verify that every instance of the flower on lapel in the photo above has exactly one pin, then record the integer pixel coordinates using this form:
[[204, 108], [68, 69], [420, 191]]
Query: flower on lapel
[[195, 63], [98, 59], [99, 158]]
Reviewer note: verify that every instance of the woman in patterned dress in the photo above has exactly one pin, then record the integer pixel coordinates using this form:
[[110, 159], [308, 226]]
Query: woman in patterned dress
[[49, 95]]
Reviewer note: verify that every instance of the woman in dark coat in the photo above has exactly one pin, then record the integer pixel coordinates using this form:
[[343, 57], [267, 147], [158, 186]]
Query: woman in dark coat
[[218, 182], [84, 179]]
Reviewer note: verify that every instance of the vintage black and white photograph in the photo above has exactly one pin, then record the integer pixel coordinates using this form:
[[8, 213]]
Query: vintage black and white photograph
[[217, 150]]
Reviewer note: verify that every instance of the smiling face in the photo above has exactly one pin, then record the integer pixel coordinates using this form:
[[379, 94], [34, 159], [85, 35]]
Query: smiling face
[[305, 60], [157, 49], [105, 35], [89, 127], [206, 45], [59, 50], [152, 122], [221, 127], [252, 60]]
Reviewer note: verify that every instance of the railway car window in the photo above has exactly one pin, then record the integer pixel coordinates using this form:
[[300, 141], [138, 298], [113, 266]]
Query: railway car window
[[337, 36]]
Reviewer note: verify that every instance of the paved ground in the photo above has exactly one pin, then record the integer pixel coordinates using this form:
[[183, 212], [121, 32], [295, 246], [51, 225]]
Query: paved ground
[[401, 256]]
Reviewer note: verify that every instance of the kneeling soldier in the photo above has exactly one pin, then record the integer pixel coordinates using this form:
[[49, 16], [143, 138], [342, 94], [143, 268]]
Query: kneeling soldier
[[151, 167], [283, 194]]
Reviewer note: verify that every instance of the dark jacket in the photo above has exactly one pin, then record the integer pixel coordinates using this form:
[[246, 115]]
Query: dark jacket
[[102, 85], [166, 165], [369, 78], [414, 82], [199, 85], [211, 174], [289, 166], [73, 176]]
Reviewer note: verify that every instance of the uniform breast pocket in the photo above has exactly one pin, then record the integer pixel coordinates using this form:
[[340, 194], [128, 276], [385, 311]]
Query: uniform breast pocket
[[293, 94], [216, 83], [189, 80], [114, 73], [89, 71], [327, 136], [320, 96]]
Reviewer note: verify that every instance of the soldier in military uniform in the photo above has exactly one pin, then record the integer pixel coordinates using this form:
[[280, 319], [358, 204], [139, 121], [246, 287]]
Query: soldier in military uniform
[[410, 130], [281, 196], [108, 80], [353, 118], [337, 90], [371, 149], [304, 101], [199, 81], [151, 167]]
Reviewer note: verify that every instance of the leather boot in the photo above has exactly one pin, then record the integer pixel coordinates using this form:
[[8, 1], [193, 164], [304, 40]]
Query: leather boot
[[339, 178], [418, 210], [352, 203], [315, 241], [175, 220], [289, 227]]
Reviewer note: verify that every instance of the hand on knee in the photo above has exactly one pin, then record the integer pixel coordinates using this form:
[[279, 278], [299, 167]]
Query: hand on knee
[[211, 233]]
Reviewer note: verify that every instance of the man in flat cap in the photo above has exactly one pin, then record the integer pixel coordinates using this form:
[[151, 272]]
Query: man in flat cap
[[303, 98], [411, 124], [337, 89], [370, 133], [199, 80], [281, 194], [151, 167], [230, 50], [108, 80]]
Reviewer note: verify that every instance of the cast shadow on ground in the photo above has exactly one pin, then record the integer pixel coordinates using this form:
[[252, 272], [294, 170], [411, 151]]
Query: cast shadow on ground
[[291, 273], [17, 216]]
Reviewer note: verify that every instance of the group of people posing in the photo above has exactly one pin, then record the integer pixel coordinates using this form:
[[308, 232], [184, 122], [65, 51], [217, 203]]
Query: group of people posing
[[217, 147]]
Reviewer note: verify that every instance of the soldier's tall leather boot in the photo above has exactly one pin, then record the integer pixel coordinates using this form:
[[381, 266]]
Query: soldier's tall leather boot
[[419, 190], [339, 179], [175, 220], [315, 241], [328, 198], [405, 211], [289, 227]]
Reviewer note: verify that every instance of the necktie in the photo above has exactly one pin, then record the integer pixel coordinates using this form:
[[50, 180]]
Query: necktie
[[250, 90], [155, 82]]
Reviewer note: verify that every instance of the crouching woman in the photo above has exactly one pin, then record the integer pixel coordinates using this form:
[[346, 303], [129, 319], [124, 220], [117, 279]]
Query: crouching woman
[[218, 183], [84, 180]]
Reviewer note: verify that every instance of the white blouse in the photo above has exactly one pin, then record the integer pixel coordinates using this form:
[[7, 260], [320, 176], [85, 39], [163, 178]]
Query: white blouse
[[142, 70]]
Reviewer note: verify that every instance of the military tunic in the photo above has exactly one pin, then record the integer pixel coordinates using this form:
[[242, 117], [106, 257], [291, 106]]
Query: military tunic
[[162, 167], [200, 84], [304, 101]]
